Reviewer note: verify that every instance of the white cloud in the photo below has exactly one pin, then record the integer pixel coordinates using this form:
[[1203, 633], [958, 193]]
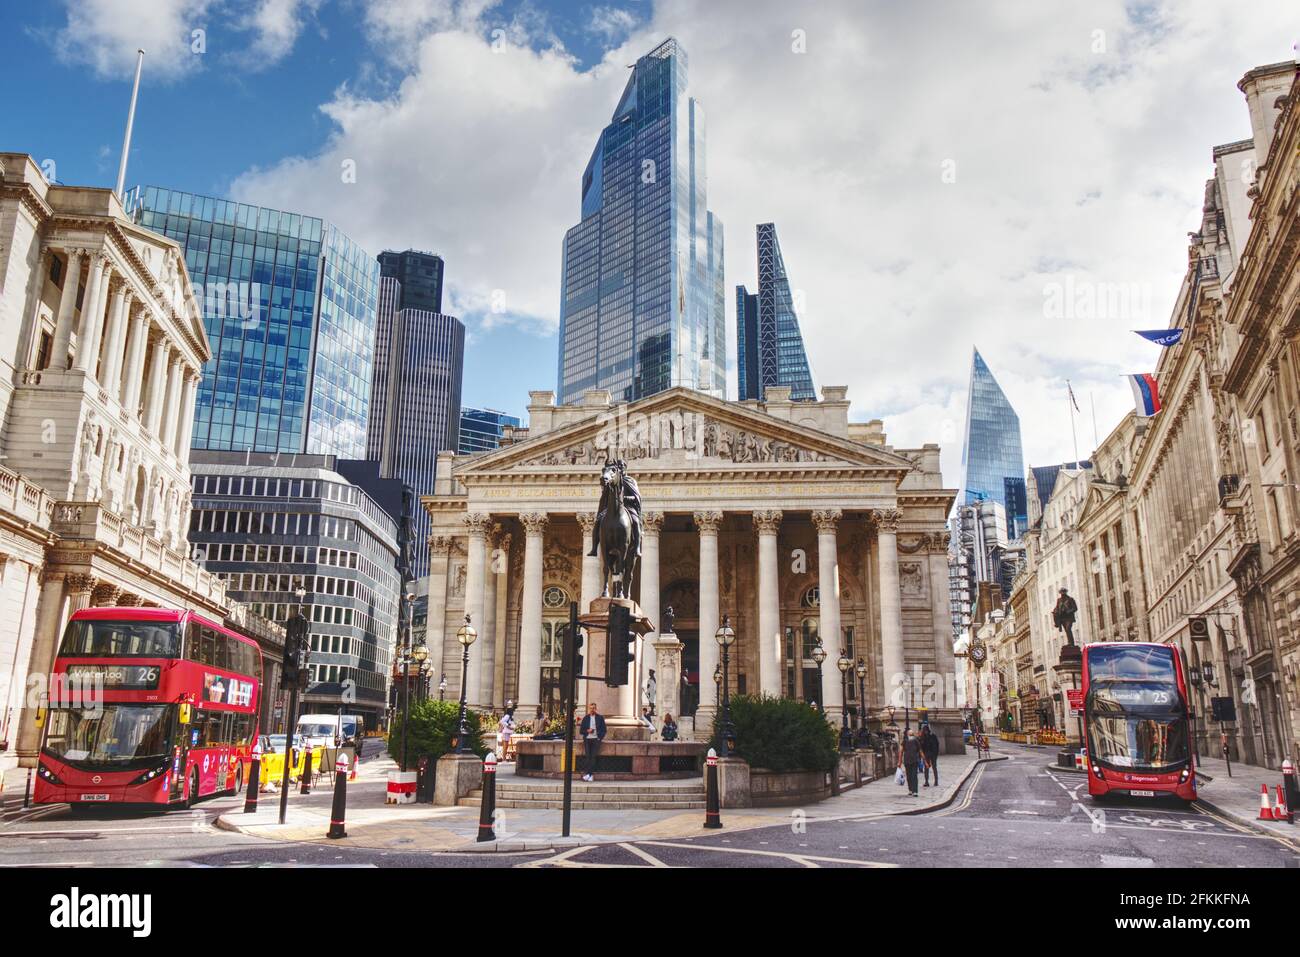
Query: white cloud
[[611, 23], [104, 34], [1070, 164]]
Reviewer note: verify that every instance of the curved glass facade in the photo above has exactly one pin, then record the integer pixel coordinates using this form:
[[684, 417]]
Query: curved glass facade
[[991, 453]]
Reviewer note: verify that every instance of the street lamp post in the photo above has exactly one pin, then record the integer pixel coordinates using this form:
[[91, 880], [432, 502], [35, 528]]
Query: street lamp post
[[845, 664], [819, 656], [420, 657], [405, 656], [725, 635], [717, 684], [466, 635], [863, 740]]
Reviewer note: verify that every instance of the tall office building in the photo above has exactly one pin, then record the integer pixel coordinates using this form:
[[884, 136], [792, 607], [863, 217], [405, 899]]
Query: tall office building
[[415, 403], [481, 429], [769, 345], [991, 453], [420, 275], [642, 300], [289, 307]]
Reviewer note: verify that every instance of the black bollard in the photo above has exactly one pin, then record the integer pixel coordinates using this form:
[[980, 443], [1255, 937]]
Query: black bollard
[[712, 816], [254, 782], [488, 806], [306, 773], [339, 810]]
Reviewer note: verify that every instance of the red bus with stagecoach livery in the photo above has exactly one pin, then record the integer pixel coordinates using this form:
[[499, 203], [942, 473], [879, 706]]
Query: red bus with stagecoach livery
[[1137, 721], [148, 706]]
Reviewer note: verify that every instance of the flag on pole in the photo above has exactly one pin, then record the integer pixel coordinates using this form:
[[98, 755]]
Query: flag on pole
[[1146, 394], [1161, 337], [1073, 400]]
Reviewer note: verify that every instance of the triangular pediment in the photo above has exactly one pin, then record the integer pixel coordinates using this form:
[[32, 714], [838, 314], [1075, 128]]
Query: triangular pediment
[[676, 429]]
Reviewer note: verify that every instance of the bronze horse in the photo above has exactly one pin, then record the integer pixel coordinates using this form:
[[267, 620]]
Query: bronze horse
[[619, 532]]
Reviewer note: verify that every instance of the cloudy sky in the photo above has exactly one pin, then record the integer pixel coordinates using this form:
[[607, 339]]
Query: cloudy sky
[[941, 174]]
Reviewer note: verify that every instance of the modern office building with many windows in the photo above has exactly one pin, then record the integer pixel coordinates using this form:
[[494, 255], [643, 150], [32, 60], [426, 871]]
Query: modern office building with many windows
[[269, 524], [642, 303], [481, 429], [415, 405], [769, 344], [991, 453], [289, 307], [420, 275]]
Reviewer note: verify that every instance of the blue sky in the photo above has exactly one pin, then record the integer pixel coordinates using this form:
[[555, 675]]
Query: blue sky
[[935, 170]]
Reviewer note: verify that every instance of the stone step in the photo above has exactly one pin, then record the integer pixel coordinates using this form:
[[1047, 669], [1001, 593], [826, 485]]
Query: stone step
[[522, 790], [593, 797], [555, 805]]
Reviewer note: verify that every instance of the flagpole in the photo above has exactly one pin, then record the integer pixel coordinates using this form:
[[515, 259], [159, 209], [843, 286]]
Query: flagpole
[[130, 122], [1069, 403], [1096, 440]]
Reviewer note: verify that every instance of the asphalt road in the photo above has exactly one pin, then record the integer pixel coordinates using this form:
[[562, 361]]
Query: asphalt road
[[1013, 813]]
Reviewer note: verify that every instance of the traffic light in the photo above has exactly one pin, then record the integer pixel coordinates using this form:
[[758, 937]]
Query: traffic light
[[294, 674], [570, 661], [620, 648]]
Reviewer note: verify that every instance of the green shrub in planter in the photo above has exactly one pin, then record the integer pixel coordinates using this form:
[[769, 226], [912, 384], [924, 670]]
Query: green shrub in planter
[[780, 734], [433, 724]]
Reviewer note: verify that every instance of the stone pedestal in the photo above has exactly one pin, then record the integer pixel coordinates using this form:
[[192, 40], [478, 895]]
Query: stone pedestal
[[668, 677], [733, 783], [458, 775], [1069, 669], [608, 700]]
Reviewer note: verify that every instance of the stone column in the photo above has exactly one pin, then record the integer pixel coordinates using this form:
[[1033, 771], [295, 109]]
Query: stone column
[[530, 616], [153, 405], [940, 611], [828, 625], [50, 620], [487, 631], [121, 303], [93, 321], [477, 525], [770, 651], [891, 609], [133, 375], [185, 427], [499, 565], [590, 563], [436, 623], [652, 525], [68, 306], [710, 617], [171, 412]]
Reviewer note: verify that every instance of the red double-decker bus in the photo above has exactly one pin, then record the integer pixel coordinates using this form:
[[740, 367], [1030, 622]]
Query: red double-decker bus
[[148, 706], [1136, 719]]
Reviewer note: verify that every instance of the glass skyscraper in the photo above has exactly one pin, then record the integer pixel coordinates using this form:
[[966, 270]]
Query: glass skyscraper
[[642, 298], [480, 429], [769, 345], [415, 406], [420, 275], [991, 453], [289, 307]]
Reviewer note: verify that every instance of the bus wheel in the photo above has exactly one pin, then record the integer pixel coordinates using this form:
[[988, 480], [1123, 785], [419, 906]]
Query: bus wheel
[[239, 781], [193, 797]]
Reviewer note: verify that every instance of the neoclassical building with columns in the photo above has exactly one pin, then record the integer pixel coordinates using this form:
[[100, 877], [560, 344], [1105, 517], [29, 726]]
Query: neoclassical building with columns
[[785, 517], [101, 347]]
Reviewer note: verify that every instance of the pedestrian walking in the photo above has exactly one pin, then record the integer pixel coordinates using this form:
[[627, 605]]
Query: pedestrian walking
[[930, 750], [909, 753], [669, 732], [592, 731], [505, 731]]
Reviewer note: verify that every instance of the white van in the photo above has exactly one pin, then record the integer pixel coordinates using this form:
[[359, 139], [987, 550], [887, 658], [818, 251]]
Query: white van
[[330, 730]]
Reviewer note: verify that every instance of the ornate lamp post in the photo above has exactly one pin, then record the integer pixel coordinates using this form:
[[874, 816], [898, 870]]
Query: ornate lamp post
[[725, 635], [819, 656], [845, 664], [420, 657], [863, 739], [466, 635], [717, 683]]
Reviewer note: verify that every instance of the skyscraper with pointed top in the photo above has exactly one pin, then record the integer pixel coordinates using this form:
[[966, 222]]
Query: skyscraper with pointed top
[[642, 304], [769, 345], [991, 452]]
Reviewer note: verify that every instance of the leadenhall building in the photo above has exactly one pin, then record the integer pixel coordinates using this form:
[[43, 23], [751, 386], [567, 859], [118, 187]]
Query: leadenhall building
[[792, 521]]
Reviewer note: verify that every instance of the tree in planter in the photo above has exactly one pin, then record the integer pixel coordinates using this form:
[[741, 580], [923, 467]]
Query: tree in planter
[[780, 734], [433, 725]]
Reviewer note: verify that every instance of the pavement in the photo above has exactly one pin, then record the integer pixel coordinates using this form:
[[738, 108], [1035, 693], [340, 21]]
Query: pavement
[[372, 823]]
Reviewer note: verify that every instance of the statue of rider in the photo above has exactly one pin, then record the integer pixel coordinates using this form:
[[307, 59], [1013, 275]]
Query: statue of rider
[[631, 501]]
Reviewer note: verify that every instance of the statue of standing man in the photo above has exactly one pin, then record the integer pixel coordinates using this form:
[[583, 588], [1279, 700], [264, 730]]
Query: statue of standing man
[[1064, 613]]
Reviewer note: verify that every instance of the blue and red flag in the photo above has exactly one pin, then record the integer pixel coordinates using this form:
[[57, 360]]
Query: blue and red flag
[[1146, 394]]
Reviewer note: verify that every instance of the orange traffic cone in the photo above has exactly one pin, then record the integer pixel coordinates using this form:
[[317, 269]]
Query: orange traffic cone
[[1265, 812], [1280, 811]]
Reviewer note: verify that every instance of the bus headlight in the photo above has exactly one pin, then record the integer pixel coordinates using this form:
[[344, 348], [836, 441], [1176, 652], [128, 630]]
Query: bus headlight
[[1097, 773], [1182, 776], [46, 775], [150, 775]]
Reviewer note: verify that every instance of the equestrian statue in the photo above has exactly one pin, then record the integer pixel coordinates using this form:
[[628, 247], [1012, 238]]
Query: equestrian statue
[[618, 529]]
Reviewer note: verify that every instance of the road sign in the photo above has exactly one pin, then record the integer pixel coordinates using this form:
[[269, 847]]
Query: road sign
[[1076, 701]]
